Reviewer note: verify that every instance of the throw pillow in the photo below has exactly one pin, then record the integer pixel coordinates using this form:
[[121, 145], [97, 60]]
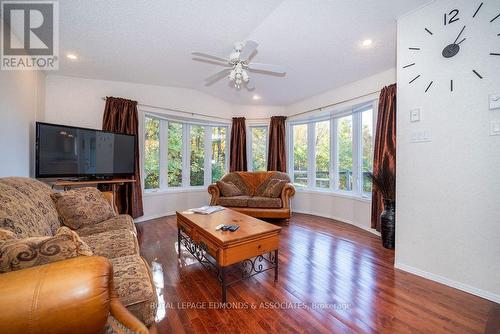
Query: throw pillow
[[6, 235], [16, 254], [273, 189], [83, 206], [228, 189]]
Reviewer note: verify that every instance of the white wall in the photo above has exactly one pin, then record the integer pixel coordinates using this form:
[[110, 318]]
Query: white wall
[[22, 96], [448, 209], [350, 210]]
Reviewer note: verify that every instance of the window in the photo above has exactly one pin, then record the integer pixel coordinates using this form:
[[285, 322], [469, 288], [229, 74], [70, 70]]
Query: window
[[180, 154], [322, 144], [257, 158], [151, 153], [344, 140], [367, 147], [300, 154], [333, 153], [218, 152], [174, 154]]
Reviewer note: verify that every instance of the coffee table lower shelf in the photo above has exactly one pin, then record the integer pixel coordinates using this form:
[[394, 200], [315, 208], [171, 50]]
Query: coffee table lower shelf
[[248, 267]]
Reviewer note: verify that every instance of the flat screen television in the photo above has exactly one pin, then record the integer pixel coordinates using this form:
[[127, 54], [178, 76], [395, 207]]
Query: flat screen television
[[72, 152]]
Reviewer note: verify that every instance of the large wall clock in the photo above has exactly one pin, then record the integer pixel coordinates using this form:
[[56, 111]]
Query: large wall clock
[[455, 25]]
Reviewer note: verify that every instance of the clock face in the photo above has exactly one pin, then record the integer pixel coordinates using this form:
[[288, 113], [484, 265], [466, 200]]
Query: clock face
[[455, 26]]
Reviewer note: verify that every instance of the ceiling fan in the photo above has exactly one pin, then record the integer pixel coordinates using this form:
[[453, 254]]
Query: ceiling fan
[[239, 64]]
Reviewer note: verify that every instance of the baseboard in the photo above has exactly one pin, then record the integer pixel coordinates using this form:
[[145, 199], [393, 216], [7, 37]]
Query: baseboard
[[451, 283], [149, 217], [340, 220]]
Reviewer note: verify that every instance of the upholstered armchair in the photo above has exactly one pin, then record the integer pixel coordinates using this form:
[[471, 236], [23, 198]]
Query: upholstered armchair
[[72, 296]]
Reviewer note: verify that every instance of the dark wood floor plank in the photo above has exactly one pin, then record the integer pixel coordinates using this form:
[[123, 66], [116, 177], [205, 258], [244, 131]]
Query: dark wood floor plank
[[342, 277]]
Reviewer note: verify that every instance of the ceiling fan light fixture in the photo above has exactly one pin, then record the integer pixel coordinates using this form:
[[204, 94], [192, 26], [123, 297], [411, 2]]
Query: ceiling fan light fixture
[[256, 97]]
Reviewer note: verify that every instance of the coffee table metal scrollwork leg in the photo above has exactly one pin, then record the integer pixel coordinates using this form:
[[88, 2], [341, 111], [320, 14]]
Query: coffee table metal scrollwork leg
[[276, 265]]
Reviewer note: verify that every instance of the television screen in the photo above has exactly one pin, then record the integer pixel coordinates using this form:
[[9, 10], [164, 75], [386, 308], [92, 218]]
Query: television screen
[[65, 151]]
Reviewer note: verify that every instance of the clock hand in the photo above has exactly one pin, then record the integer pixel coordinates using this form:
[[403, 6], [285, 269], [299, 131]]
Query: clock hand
[[461, 31], [461, 41]]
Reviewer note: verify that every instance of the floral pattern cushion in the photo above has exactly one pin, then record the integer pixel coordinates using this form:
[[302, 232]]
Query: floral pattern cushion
[[264, 202], [6, 235], [83, 206], [271, 189], [19, 215], [237, 201], [40, 195], [133, 283], [120, 222], [228, 189], [24, 253], [113, 244]]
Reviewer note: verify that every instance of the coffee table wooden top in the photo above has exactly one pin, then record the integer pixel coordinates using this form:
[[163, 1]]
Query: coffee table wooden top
[[250, 227]]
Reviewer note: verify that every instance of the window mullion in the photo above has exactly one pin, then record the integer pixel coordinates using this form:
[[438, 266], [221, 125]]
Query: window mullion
[[249, 149], [356, 151], [208, 156], [311, 155], [163, 154]]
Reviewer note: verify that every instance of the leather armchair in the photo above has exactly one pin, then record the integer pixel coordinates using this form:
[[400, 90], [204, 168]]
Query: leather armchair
[[71, 296]]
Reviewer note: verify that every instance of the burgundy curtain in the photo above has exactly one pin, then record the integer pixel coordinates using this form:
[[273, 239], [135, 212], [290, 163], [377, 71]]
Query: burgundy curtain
[[238, 156], [120, 115], [276, 157], [385, 145]]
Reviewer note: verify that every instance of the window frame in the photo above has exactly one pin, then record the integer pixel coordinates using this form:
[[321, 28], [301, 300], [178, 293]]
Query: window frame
[[333, 117], [250, 145], [186, 151]]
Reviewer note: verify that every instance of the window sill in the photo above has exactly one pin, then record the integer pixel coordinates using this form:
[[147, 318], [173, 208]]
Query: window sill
[[159, 192], [345, 194]]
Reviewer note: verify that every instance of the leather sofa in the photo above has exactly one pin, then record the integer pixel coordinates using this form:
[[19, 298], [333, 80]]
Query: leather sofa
[[28, 215], [251, 202], [72, 296]]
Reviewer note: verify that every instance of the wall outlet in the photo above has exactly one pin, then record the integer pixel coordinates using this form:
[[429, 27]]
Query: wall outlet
[[494, 101], [415, 115]]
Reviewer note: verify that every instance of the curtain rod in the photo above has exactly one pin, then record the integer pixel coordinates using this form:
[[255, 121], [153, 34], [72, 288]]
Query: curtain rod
[[256, 119], [333, 104]]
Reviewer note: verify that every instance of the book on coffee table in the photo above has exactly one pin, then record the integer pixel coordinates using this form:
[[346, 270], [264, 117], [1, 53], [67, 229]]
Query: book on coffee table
[[207, 209]]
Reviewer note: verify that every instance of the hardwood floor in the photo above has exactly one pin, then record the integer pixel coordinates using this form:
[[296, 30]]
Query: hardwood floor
[[334, 278]]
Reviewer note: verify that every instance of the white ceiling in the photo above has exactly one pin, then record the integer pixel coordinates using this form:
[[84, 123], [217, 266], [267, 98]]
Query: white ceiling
[[150, 42]]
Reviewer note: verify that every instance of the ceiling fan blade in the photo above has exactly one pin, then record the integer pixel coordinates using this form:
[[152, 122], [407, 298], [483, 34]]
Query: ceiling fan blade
[[267, 68], [217, 76], [214, 62], [248, 50], [206, 55]]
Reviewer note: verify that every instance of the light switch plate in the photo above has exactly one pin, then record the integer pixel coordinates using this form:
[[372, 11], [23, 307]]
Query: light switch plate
[[494, 101], [415, 115], [495, 128]]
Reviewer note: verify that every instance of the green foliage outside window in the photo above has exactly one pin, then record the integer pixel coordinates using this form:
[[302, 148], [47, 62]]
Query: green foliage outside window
[[197, 161], [344, 137], [322, 144], [259, 139], [152, 153], [300, 154], [218, 153], [174, 154]]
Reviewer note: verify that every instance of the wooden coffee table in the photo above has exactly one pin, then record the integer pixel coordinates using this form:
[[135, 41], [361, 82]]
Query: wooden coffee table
[[254, 246]]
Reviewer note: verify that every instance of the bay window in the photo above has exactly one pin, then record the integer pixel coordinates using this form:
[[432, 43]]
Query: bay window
[[180, 154], [333, 152]]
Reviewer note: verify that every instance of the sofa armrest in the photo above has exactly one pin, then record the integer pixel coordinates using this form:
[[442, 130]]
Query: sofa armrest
[[63, 297], [110, 197], [286, 194], [214, 191], [127, 319]]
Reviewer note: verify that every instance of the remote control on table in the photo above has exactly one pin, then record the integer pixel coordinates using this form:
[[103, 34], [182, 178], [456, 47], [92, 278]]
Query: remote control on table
[[233, 228], [218, 227]]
